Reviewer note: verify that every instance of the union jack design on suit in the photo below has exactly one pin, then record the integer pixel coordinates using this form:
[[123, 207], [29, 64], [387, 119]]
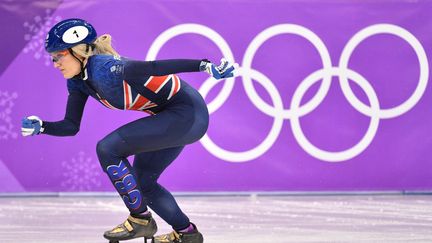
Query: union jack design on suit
[[153, 83]]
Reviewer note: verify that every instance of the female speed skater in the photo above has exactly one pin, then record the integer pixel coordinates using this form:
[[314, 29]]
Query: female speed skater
[[178, 116]]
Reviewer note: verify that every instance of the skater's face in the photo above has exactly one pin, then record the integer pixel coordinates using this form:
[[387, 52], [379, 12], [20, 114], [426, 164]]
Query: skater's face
[[66, 63]]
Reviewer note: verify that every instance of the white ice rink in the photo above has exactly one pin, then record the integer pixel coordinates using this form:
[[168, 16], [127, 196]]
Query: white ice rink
[[230, 219]]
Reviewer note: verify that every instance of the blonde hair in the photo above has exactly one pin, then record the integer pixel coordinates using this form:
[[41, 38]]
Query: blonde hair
[[102, 46]]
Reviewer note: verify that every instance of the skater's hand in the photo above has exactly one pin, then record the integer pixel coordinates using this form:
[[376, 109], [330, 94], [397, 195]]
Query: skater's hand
[[224, 70], [31, 125]]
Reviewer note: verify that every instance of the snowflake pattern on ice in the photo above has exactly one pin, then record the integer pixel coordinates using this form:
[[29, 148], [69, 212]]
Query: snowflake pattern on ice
[[36, 34], [81, 174], [6, 104]]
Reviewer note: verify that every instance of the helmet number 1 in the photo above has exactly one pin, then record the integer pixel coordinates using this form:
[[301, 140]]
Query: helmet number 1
[[76, 33]]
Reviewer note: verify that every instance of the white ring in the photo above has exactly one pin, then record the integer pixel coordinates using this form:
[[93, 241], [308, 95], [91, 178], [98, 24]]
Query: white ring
[[264, 36], [421, 55], [364, 142], [268, 141]]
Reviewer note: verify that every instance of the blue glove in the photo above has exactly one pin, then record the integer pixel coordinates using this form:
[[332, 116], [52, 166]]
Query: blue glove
[[224, 70], [31, 125]]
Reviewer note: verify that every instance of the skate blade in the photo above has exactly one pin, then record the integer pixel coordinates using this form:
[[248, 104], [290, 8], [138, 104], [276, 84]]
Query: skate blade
[[145, 240]]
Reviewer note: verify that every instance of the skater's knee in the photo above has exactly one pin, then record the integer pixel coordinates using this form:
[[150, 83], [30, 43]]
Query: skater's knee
[[110, 150], [110, 145], [103, 147]]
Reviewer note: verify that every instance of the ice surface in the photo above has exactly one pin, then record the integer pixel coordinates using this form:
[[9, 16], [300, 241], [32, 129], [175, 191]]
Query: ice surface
[[242, 219]]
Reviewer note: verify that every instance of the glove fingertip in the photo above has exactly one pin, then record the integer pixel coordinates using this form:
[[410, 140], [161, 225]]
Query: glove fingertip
[[229, 75]]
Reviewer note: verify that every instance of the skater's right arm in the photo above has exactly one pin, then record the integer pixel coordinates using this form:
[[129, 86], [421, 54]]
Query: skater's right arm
[[69, 126]]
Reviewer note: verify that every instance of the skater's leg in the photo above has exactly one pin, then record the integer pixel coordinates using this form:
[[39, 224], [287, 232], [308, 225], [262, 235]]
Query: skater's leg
[[149, 166], [112, 152]]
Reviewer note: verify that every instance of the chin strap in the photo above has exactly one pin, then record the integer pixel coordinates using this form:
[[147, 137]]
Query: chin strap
[[83, 73]]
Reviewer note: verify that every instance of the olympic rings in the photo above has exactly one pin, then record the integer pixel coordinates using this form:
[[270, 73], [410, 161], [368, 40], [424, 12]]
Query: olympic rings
[[296, 111]]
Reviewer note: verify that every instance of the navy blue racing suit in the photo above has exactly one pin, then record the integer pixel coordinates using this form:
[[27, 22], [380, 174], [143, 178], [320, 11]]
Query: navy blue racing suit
[[179, 116]]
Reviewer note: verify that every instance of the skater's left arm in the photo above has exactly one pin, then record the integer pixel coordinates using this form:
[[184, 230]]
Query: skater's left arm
[[134, 70]]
